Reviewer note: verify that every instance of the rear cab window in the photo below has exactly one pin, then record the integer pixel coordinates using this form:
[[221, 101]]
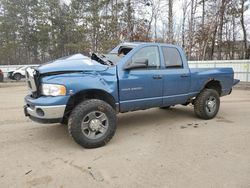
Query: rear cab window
[[172, 57]]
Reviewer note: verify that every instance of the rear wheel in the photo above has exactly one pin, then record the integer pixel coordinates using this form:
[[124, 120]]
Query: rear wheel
[[207, 104], [92, 123]]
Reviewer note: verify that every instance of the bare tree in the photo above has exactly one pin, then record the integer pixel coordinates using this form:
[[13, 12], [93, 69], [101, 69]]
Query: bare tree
[[150, 14], [185, 5], [203, 12], [193, 7], [170, 22], [220, 29], [242, 21]]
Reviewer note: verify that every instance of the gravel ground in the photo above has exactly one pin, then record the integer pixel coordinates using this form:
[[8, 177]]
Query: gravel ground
[[151, 148]]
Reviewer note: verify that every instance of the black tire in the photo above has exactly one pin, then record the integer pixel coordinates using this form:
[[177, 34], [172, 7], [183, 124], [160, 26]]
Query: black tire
[[202, 108], [64, 121], [77, 119], [17, 76]]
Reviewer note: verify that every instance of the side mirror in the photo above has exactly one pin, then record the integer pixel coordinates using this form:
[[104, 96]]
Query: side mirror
[[139, 63]]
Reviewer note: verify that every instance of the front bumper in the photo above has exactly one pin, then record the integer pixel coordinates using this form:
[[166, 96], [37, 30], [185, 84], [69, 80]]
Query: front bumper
[[45, 109], [45, 114]]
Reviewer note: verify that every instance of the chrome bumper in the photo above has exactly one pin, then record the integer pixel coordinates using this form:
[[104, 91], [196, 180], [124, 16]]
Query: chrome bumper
[[45, 112]]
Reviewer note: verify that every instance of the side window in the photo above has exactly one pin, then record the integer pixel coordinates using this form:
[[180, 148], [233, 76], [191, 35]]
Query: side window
[[149, 53], [172, 57]]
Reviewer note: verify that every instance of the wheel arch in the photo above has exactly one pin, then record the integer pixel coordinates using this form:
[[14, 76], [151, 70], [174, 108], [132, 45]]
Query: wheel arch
[[213, 84], [89, 94]]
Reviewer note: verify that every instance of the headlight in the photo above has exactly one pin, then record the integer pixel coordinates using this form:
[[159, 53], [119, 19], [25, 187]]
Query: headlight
[[53, 90]]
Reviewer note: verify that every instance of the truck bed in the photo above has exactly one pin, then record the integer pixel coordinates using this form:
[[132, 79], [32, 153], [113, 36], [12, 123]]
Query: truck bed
[[200, 76]]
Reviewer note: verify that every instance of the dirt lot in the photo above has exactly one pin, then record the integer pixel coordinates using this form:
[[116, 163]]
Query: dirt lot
[[152, 148]]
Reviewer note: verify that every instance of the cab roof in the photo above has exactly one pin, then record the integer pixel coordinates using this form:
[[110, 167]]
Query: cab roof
[[133, 45]]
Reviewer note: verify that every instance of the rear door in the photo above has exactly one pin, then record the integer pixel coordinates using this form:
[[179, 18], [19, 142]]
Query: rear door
[[142, 88], [176, 77]]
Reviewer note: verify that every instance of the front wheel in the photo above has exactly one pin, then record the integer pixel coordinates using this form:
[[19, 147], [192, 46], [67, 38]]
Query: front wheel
[[17, 76], [92, 123], [207, 104]]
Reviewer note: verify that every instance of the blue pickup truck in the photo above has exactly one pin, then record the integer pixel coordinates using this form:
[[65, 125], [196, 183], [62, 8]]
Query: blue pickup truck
[[86, 93]]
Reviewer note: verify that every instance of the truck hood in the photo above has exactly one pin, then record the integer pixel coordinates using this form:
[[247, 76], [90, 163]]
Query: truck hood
[[73, 63]]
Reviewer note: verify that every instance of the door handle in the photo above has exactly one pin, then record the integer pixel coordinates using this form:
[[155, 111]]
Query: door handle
[[157, 77], [184, 75]]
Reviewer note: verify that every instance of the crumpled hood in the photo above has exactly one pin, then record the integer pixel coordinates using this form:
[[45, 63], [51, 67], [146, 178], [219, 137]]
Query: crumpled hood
[[77, 62]]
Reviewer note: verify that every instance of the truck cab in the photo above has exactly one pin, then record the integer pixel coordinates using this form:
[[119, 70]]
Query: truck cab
[[162, 73]]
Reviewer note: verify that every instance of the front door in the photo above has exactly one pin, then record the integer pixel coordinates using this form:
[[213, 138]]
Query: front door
[[141, 88]]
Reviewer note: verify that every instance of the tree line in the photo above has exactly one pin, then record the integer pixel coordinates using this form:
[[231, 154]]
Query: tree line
[[37, 31]]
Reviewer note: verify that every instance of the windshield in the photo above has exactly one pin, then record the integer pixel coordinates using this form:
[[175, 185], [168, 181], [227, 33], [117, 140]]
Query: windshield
[[115, 55], [109, 59], [114, 58]]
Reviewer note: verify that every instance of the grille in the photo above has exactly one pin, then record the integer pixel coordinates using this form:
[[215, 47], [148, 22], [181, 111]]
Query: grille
[[31, 79]]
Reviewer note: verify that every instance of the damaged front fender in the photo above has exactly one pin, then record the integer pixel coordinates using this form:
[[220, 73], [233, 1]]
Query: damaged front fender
[[89, 80]]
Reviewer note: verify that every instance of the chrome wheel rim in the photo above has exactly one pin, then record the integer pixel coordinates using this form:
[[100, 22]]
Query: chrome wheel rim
[[211, 105], [94, 124]]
